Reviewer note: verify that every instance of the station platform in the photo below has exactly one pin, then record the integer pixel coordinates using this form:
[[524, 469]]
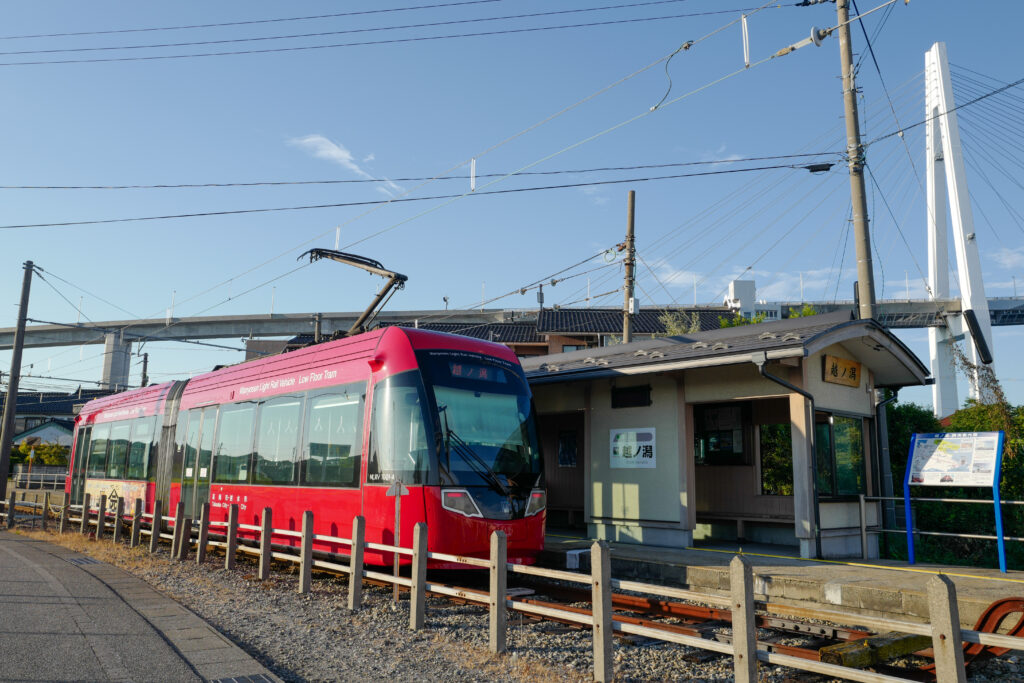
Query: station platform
[[880, 588]]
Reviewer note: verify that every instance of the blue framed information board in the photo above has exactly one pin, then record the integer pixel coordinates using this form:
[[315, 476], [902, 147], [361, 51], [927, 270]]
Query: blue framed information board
[[955, 459]]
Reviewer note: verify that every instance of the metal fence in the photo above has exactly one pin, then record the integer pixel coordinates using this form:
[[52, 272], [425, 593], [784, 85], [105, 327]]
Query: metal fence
[[947, 638]]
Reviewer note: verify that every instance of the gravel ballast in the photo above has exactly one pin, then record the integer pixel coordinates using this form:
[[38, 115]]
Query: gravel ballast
[[315, 637]]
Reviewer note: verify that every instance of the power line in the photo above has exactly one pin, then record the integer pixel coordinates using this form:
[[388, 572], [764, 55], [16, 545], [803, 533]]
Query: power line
[[347, 181], [246, 23], [390, 41], [321, 34], [395, 200]]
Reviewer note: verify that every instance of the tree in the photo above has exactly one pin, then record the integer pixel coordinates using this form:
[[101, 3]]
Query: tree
[[737, 320], [803, 312], [905, 419], [678, 323], [46, 454]]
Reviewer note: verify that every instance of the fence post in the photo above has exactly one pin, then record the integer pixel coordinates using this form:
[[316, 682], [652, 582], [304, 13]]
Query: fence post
[[232, 539], [179, 518], [85, 514], [496, 594], [185, 540], [306, 553], [10, 510], [744, 627], [418, 574], [158, 523], [947, 642], [204, 533], [355, 564], [601, 585], [133, 540], [118, 520], [101, 517], [62, 526], [266, 539], [46, 508]]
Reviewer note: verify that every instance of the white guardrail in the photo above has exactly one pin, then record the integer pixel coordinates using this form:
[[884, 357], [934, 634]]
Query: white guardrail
[[944, 628]]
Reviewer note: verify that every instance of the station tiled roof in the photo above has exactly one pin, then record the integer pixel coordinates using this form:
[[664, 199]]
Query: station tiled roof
[[502, 333], [52, 403], [793, 337]]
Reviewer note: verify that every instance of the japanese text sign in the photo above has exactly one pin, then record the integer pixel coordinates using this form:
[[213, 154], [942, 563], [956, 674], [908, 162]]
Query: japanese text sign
[[633, 448]]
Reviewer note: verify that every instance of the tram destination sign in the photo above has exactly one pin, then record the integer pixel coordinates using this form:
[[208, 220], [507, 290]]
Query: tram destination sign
[[954, 459], [633, 448]]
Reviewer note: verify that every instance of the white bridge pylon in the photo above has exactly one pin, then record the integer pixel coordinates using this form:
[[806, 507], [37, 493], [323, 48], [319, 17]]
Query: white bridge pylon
[[947, 190]]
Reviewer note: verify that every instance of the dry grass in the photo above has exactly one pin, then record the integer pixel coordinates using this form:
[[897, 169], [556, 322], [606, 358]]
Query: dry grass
[[503, 667]]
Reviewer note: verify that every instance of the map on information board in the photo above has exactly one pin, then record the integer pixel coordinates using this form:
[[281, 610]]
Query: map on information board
[[954, 459]]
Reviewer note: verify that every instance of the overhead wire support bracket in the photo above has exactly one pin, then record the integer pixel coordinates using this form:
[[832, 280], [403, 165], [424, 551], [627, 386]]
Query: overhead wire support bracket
[[395, 281]]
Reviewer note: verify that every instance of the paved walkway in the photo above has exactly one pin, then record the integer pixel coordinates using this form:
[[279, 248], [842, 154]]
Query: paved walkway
[[65, 616]]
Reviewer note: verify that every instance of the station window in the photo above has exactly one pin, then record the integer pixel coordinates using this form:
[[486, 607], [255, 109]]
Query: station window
[[333, 444], [775, 443], [839, 446], [722, 434], [138, 452], [631, 397], [276, 439], [98, 452], [234, 443], [118, 456]]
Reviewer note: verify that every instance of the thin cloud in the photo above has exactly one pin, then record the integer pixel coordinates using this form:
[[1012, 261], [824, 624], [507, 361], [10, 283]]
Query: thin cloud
[[321, 147], [1009, 258]]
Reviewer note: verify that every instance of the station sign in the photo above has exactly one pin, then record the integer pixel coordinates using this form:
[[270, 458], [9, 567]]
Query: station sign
[[633, 448]]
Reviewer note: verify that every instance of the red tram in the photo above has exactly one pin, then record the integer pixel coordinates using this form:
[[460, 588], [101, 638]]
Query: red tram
[[330, 428]]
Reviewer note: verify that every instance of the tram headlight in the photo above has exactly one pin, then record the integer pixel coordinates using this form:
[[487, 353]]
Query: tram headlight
[[459, 500], [538, 501]]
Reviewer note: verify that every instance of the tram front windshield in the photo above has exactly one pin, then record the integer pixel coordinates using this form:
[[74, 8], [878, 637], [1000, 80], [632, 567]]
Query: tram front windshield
[[484, 416]]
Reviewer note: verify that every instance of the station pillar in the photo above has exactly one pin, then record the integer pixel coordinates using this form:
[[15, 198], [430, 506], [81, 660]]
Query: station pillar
[[116, 362]]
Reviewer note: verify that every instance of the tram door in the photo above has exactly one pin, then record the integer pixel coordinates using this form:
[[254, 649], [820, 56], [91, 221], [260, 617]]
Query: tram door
[[195, 475], [78, 467]]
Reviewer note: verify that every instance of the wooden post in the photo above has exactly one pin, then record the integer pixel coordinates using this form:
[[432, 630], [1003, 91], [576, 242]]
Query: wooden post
[[85, 514], [10, 510], [232, 539], [101, 517], [744, 627], [62, 526], [118, 520], [266, 540], [601, 585], [418, 574], [204, 533], [355, 565], [46, 508], [133, 540], [496, 594], [179, 518], [158, 523], [185, 539], [306, 553], [947, 642]]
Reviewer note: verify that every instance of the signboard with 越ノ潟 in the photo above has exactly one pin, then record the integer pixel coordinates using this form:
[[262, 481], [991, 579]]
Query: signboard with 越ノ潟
[[633, 448], [836, 370], [954, 459]]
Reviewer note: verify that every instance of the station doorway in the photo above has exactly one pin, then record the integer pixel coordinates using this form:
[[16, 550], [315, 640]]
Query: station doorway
[[563, 442]]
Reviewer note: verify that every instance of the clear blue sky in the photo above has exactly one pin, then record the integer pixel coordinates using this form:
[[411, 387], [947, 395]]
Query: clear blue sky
[[418, 108]]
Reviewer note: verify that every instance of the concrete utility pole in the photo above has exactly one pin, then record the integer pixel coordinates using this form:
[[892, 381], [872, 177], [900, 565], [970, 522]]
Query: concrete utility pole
[[145, 369], [11, 404], [855, 151], [627, 305]]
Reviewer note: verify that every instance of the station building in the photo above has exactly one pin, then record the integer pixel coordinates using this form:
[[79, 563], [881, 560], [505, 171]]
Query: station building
[[765, 433]]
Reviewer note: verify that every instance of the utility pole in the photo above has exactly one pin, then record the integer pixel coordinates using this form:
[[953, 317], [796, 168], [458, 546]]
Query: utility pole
[[145, 369], [11, 404], [855, 152], [627, 306]]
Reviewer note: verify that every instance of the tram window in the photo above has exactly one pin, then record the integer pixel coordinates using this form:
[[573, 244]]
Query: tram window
[[276, 439], [116, 459], [138, 452], [234, 444], [98, 452], [333, 443], [399, 447]]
